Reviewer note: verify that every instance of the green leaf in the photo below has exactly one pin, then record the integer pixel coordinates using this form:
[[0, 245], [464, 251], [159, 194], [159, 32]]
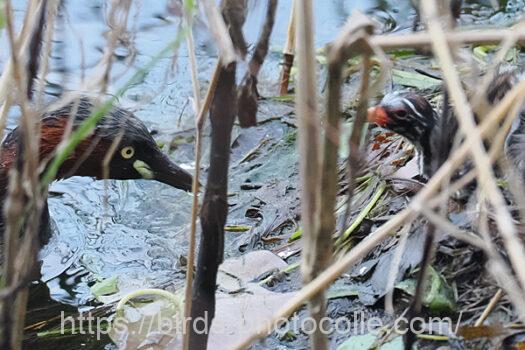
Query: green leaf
[[136, 323], [320, 56], [438, 297], [189, 6], [283, 98], [403, 53], [296, 235], [342, 292], [414, 79], [2, 16], [237, 228], [367, 341], [105, 287], [408, 286], [363, 213], [482, 51]]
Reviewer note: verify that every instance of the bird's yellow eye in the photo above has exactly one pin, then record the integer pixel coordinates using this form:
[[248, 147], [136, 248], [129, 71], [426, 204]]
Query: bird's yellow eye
[[127, 152]]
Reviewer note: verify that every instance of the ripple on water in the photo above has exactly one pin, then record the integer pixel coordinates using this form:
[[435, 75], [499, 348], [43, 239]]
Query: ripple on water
[[137, 233]]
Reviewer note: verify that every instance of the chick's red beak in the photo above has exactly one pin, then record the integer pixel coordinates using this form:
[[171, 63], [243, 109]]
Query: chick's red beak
[[377, 115]]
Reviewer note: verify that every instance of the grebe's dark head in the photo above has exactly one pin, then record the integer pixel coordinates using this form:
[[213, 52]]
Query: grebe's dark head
[[135, 153], [405, 113]]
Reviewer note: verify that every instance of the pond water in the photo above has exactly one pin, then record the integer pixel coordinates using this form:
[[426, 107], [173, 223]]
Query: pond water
[[137, 230]]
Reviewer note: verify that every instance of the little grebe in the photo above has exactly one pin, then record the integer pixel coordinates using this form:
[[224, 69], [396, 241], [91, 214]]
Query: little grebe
[[136, 157]]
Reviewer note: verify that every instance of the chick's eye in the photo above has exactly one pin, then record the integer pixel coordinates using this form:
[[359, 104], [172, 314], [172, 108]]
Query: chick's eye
[[127, 152], [400, 113]]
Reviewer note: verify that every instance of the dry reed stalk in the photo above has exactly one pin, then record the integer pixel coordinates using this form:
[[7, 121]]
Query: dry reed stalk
[[220, 32], [309, 130], [22, 222], [117, 21], [366, 91], [22, 41], [6, 79], [288, 53], [429, 244], [317, 251], [35, 45], [188, 17], [424, 40], [52, 12], [28, 165]]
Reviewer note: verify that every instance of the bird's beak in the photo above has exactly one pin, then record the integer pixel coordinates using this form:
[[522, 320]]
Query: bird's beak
[[377, 115], [162, 169]]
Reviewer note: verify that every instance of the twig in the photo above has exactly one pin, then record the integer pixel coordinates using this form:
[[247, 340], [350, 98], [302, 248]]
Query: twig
[[288, 53], [490, 307], [21, 231], [118, 19], [248, 94], [34, 50]]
